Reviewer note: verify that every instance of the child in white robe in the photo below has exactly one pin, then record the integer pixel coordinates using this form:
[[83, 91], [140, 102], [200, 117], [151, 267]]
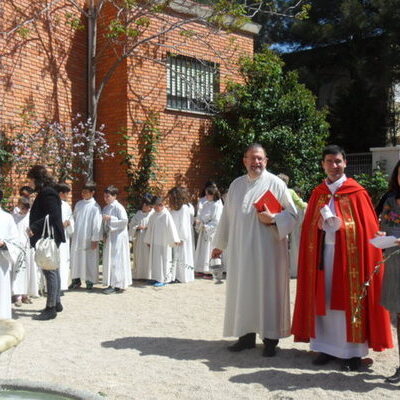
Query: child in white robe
[[85, 239], [206, 225], [161, 235], [137, 231], [26, 192], [117, 274], [24, 276], [68, 221], [10, 250], [182, 255]]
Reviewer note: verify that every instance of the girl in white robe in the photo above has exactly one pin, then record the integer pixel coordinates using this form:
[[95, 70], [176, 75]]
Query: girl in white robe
[[182, 254], [206, 225], [117, 274], [9, 253], [24, 276], [137, 231], [68, 222], [161, 235]]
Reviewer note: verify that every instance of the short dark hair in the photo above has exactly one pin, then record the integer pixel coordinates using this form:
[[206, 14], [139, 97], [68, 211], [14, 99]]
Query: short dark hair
[[147, 199], [158, 200], [41, 177], [113, 190], [63, 187], [214, 192], [208, 184], [333, 149], [25, 189], [91, 186], [254, 146], [25, 202]]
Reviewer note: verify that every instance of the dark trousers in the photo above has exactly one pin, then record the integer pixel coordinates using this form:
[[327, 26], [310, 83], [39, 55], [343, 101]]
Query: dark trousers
[[53, 284]]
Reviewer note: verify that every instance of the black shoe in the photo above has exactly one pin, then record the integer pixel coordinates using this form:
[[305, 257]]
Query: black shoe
[[59, 307], [75, 284], [89, 285], [351, 364], [323, 359], [270, 347], [46, 314], [111, 290], [395, 378], [247, 341]]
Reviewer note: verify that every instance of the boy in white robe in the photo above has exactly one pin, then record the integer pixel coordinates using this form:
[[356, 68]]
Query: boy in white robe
[[85, 240], [117, 274], [68, 221], [137, 231], [26, 192], [182, 255], [161, 235], [9, 253]]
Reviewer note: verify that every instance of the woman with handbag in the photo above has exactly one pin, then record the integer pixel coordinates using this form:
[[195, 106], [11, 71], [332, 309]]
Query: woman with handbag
[[47, 202]]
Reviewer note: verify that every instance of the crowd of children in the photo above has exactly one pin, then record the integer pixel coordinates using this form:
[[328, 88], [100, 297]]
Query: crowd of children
[[162, 233]]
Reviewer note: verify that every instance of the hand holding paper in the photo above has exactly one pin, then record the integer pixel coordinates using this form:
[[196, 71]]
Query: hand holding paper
[[384, 242]]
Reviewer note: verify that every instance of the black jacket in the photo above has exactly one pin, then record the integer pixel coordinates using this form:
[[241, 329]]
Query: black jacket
[[47, 202]]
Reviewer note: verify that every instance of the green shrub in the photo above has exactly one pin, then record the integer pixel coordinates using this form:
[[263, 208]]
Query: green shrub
[[271, 108], [375, 183]]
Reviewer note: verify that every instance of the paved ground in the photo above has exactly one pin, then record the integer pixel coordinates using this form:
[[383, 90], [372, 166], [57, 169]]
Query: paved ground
[[165, 343]]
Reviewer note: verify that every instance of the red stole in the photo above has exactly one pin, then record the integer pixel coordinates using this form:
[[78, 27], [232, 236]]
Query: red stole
[[354, 261]]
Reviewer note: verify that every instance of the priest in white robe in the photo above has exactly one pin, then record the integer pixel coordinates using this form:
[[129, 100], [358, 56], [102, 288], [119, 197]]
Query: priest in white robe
[[85, 239], [256, 252], [10, 250], [117, 274]]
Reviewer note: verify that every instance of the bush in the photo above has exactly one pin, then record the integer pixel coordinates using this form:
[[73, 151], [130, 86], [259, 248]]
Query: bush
[[376, 184], [274, 109]]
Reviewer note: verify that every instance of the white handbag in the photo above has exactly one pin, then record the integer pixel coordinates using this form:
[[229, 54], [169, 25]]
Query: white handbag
[[47, 254]]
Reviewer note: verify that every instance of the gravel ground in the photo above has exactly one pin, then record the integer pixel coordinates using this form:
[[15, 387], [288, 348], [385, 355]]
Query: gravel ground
[[166, 343]]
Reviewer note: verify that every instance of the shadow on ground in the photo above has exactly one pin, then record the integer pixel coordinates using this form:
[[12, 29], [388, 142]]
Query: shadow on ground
[[275, 374]]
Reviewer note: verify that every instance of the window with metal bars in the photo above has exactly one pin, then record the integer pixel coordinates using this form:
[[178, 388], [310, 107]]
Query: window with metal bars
[[191, 84]]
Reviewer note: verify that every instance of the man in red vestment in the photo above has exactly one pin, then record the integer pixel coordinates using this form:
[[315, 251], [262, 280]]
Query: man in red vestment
[[334, 262]]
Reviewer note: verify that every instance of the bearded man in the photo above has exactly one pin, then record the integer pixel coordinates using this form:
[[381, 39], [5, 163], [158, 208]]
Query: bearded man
[[255, 250]]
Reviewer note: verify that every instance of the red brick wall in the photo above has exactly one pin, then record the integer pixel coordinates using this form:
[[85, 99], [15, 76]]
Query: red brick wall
[[44, 70], [183, 156]]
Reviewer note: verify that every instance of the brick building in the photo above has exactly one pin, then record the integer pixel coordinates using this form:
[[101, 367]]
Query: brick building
[[174, 77]]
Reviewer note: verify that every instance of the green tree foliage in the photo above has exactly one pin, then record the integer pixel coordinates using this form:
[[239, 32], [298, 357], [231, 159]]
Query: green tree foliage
[[273, 109], [375, 183], [360, 39]]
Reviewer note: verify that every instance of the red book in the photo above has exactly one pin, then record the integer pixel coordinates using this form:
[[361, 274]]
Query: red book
[[270, 201]]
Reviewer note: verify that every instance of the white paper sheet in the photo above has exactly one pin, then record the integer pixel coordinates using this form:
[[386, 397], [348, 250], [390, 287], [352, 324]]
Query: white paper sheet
[[384, 242]]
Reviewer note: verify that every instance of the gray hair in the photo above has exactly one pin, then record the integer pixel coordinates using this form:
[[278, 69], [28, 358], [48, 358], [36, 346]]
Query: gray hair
[[254, 146]]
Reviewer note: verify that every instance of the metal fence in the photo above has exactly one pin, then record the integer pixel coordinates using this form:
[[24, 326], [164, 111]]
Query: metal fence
[[359, 163]]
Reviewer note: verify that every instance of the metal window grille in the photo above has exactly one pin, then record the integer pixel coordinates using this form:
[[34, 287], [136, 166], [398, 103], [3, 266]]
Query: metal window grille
[[359, 163], [191, 83]]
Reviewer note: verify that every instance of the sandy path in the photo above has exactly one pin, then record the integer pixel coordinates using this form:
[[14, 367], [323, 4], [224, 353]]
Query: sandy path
[[166, 343]]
